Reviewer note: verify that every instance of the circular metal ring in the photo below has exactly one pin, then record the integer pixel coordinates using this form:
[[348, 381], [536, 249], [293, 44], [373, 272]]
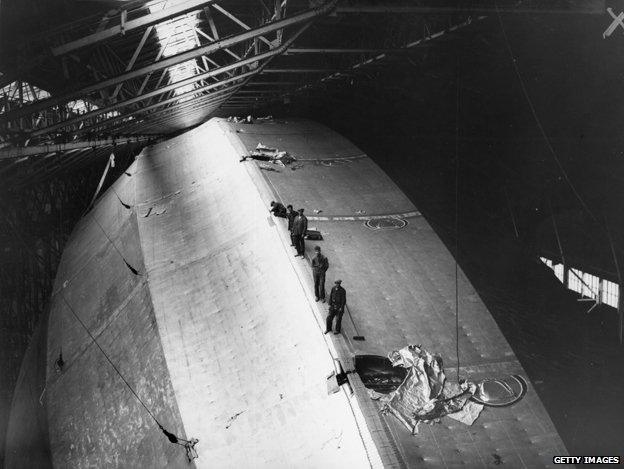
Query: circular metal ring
[[386, 223]]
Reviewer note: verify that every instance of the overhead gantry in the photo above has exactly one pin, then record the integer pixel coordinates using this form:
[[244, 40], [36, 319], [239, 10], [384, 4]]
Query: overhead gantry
[[150, 69]]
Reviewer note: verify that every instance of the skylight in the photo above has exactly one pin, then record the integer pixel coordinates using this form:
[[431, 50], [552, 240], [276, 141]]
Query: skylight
[[588, 285], [178, 35], [27, 92]]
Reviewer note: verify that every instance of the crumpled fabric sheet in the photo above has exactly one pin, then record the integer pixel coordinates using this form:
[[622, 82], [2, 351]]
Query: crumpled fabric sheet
[[468, 414], [274, 155], [241, 120], [426, 395]]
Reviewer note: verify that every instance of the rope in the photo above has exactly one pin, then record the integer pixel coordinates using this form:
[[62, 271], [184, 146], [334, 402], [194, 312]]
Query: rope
[[619, 275], [172, 438], [134, 271], [109, 164], [189, 444], [537, 120], [128, 206], [604, 227], [458, 85], [109, 360]]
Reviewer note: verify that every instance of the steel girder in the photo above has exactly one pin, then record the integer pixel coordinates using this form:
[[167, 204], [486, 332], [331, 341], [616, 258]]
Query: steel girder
[[143, 97], [218, 45], [147, 20], [259, 60], [471, 8], [298, 70], [155, 106], [209, 106], [172, 115], [374, 56], [19, 152], [380, 57], [337, 50]]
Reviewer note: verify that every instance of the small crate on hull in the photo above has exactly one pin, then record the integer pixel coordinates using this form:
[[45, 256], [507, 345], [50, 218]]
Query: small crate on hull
[[314, 235]]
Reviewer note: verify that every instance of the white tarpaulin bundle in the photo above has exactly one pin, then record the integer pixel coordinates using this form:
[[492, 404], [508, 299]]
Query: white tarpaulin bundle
[[272, 154], [425, 394]]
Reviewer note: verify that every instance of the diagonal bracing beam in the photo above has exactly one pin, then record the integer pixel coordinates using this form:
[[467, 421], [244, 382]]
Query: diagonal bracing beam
[[134, 57], [240, 23], [160, 91], [418, 43], [161, 104], [211, 73], [7, 153], [474, 8], [304, 16], [170, 116], [146, 20], [170, 119], [184, 111]]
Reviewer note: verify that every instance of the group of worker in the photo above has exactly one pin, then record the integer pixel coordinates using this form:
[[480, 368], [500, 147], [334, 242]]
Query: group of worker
[[298, 226]]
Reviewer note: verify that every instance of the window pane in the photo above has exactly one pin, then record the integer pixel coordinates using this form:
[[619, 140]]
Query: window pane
[[574, 283], [590, 286], [610, 292]]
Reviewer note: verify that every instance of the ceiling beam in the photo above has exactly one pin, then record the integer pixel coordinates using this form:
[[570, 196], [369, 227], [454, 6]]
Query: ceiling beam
[[313, 50], [240, 23], [418, 43], [304, 16], [92, 114], [7, 153], [157, 105], [146, 20], [264, 57], [297, 70], [284, 46], [258, 92], [134, 57], [272, 83], [189, 118], [167, 116], [586, 8]]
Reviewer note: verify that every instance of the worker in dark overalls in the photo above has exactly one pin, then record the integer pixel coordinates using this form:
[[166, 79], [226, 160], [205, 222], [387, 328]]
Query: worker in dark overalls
[[278, 209], [320, 264], [337, 302], [291, 215], [300, 227]]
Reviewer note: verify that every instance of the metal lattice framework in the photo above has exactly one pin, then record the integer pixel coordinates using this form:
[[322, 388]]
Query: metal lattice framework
[[154, 68], [147, 69]]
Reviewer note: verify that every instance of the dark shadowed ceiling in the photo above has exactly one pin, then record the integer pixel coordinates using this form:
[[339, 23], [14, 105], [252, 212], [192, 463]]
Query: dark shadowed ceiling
[[528, 89], [500, 119], [93, 73]]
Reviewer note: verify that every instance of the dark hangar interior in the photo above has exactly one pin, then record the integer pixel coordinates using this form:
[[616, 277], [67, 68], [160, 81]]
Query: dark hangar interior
[[499, 119]]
